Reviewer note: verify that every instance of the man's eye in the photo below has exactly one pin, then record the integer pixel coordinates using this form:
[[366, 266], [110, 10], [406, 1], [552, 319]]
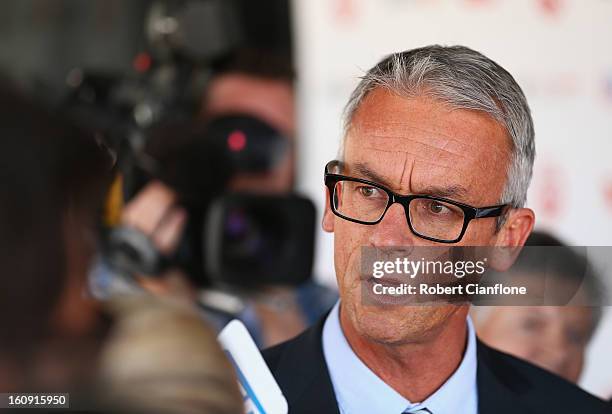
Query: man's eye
[[367, 191], [438, 208]]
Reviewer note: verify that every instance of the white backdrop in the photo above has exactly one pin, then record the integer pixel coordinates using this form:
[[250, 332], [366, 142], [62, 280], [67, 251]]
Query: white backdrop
[[560, 52]]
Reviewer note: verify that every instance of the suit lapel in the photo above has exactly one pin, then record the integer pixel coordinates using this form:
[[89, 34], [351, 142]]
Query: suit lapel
[[303, 371], [498, 385]]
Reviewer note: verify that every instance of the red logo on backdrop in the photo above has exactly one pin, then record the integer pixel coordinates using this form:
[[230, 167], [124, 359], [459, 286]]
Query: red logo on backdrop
[[551, 7], [549, 191], [344, 11]]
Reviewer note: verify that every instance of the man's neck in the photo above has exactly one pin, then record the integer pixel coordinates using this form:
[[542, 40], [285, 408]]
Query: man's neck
[[415, 370]]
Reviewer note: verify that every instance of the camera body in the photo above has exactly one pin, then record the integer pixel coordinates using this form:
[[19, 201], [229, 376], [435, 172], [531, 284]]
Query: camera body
[[239, 240]]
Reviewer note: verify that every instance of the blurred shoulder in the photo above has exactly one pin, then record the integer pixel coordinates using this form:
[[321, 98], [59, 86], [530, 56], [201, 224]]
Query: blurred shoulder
[[530, 387], [304, 344]]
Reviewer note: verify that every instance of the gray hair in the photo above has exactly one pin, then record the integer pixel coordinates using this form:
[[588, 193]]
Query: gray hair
[[464, 79]]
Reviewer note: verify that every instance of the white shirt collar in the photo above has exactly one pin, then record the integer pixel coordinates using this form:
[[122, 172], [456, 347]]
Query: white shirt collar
[[359, 390]]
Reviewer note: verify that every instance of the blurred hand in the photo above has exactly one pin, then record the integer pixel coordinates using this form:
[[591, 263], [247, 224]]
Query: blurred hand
[[155, 213]]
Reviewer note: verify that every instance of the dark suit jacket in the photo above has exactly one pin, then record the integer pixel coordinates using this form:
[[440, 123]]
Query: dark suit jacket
[[506, 385]]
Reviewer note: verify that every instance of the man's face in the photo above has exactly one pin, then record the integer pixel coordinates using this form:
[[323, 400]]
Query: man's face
[[271, 101], [552, 337], [414, 146]]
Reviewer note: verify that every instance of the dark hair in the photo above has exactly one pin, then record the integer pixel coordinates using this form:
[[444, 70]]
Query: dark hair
[[48, 167]]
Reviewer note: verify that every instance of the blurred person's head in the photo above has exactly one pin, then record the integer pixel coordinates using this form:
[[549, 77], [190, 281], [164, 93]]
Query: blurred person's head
[[53, 182], [553, 337], [259, 84], [160, 357], [443, 122]]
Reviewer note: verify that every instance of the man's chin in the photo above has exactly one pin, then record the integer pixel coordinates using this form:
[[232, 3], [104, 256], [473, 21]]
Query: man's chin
[[396, 325]]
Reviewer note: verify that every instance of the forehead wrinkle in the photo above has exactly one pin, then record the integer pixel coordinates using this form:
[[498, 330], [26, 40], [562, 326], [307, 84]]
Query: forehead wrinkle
[[401, 183], [398, 140], [388, 130], [363, 168], [444, 159]]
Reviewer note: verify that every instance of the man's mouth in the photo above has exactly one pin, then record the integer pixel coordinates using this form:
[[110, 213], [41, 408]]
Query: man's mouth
[[372, 286], [385, 281]]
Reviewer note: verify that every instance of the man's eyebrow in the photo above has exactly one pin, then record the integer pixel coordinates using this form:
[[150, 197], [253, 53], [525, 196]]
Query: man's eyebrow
[[369, 174], [451, 191]]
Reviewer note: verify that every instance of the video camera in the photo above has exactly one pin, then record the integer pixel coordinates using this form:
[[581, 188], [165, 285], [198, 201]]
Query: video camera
[[148, 121]]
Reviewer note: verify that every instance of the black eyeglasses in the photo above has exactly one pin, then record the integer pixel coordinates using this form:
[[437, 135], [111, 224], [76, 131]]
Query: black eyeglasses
[[432, 218]]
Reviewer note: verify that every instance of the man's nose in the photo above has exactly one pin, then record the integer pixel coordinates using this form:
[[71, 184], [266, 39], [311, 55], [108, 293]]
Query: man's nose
[[393, 230]]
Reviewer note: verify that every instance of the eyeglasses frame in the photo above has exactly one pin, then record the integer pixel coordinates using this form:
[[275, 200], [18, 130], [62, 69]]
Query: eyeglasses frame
[[469, 212]]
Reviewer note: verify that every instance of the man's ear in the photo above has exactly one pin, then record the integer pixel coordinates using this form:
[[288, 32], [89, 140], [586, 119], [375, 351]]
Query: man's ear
[[511, 237], [328, 215], [516, 228]]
